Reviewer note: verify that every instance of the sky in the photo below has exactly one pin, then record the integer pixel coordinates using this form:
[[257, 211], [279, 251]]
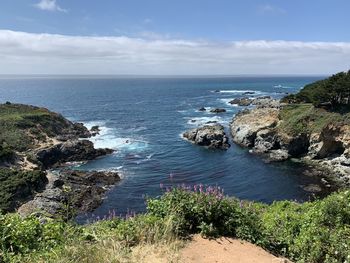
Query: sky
[[182, 37]]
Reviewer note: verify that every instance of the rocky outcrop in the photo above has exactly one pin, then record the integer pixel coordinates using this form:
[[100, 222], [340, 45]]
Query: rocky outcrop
[[248, 123], [217, 110], [259, 129], [241, 101], [331, 150], [70, 151], [266, 102], [210, 136], [71, 192], [95, 130]]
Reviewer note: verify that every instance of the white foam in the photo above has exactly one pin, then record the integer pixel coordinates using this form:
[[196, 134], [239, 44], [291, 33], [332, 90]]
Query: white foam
[[109, 138], [227, 102], [90, 124], [203, 120], [238, 91]]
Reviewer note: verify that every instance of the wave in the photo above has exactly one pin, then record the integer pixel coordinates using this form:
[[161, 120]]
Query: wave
[[109, 138], [204, 120], [239, 91], [227, 102]]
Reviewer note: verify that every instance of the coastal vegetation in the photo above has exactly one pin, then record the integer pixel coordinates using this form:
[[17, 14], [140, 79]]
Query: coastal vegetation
[[333, 92], [315, 231], [17, 185], [308, 119], [24, 126]]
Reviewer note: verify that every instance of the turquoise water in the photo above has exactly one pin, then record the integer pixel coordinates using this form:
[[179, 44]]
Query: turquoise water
[[151, 113]]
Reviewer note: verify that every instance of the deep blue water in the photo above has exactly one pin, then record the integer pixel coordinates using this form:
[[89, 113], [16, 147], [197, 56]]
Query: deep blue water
[[151, 113]]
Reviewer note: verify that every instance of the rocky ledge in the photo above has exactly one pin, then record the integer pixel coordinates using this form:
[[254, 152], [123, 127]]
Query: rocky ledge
[[69, 151], [210, 136], [260, 102], [268, 131], [70, 192]]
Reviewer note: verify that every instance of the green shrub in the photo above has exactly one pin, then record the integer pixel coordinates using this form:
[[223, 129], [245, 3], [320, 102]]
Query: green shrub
[[311, 232], [333, 91], [207, 211], [17, 185]]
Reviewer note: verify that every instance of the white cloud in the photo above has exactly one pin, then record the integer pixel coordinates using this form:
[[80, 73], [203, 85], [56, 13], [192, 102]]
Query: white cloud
[[26, 53], [49, 5]]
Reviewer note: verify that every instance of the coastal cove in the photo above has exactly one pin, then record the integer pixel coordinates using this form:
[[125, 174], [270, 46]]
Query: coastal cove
[[142, 120]]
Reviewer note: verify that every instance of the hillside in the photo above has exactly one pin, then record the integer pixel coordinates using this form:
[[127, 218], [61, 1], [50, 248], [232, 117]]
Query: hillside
[[23, 127]]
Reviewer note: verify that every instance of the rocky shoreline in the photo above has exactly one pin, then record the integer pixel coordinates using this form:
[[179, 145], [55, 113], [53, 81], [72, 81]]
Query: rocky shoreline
[[55, 142], [260, 130]]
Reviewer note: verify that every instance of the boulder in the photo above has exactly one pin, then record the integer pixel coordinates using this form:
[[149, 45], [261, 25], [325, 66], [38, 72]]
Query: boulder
[[277, 155], [95, 130], [210, 136], [202, 109]]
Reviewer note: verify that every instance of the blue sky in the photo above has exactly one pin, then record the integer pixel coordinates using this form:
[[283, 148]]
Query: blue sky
[[310, 31], [311, 20]]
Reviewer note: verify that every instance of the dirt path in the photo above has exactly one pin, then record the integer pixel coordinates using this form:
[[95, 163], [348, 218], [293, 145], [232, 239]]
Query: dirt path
[[225, 250]]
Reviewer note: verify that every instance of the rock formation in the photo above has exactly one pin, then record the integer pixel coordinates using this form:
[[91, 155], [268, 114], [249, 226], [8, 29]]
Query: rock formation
[[210, 136]]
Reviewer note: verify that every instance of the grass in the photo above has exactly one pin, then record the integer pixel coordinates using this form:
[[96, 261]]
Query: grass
[[16, 186], [22, 125], [311, 232], [305, 118]]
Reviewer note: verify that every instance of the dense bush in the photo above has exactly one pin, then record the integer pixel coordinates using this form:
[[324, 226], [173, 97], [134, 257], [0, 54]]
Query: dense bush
[[17, 185], [311, 232], [7, 155], [333, 91]]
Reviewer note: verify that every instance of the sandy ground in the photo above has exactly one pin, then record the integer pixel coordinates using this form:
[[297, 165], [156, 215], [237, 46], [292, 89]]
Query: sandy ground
[[225, 250]]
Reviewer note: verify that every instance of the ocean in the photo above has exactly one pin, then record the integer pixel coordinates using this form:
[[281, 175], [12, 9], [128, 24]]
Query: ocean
[[142, 118]]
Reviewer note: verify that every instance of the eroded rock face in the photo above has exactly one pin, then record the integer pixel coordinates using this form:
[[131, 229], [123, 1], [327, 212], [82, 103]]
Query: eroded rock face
[[81, 191], [69, 151], [247, 124], [257, 129], [211, 136]]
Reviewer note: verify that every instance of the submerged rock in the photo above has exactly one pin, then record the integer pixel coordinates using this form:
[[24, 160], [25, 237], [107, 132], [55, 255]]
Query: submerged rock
[[217, 110], [202, 109], [211, 136]]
